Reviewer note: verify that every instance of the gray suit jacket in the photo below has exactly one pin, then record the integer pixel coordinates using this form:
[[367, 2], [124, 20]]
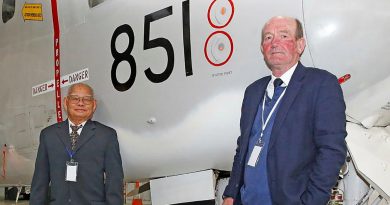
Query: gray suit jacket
[[99, 174]]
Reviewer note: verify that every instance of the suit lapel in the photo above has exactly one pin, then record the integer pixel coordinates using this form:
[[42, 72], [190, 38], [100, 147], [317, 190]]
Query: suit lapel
[[254, 100], [86, 134], [291, 92], [63, 133]]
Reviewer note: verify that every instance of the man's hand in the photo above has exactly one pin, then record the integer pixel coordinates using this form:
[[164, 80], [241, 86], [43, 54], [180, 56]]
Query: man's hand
[[228, 201]]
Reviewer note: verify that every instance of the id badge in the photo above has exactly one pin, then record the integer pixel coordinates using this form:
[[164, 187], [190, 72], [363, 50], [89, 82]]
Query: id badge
[[71, 171], [255, 154]]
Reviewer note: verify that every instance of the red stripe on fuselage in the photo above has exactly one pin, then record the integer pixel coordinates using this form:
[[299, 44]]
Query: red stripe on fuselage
[[57, 73]]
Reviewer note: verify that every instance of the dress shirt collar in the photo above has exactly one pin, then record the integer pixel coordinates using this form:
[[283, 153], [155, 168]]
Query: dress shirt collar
[[286, 77], [72, 124]]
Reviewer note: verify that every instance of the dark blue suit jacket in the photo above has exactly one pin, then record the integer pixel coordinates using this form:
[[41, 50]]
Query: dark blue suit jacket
[[307, 145], [99, 175]]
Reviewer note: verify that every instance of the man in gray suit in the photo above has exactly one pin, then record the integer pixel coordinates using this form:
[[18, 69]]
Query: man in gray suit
[[78, 159]]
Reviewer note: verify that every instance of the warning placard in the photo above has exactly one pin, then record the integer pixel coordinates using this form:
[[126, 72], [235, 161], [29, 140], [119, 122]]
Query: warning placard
[[66, 80], [32, 12]]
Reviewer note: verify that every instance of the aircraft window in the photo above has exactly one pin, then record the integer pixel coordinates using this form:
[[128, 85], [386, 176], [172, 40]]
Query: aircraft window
[[8, 10], [93, 3]]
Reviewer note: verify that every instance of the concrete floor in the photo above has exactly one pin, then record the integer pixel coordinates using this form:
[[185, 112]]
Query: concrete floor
[[13, 203], [25, 202]]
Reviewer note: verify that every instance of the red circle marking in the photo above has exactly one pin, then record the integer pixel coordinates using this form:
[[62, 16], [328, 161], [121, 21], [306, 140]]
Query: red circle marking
[[231, 48], [230, 18]]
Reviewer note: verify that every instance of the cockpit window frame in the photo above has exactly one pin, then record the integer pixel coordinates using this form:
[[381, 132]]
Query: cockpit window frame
[[93, 3], [8, 10]]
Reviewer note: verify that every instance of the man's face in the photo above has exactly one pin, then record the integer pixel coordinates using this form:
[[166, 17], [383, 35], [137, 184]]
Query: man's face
[[279, 46], [80, 104]]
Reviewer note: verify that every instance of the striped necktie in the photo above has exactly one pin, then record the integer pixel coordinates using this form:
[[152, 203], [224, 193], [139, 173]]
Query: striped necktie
[[74, 135]]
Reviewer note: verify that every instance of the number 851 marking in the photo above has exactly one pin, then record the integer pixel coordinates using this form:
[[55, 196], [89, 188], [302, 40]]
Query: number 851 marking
[[149, 44]]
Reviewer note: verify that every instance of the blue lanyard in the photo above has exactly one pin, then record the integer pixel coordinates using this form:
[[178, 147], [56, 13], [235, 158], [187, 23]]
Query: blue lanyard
[[264, 124], [70, 153]]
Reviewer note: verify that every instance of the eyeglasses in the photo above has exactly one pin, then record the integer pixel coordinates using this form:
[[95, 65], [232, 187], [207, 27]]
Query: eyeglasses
[[74, 99]]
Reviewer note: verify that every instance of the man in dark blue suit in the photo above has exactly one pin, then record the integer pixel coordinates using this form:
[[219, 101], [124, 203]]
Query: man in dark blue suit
[[78, 159], [292, 141]]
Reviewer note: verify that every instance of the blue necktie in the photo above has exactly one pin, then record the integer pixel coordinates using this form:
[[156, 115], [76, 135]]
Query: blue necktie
[[278, 90]]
